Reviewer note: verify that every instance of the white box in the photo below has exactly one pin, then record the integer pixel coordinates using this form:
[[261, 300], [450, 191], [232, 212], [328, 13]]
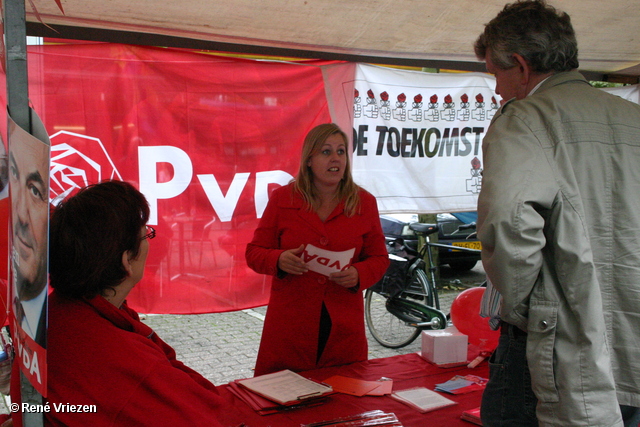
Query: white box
[[444, 346]]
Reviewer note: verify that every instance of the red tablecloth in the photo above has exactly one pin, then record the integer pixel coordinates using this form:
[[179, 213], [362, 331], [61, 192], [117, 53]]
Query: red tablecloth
[[407, 371]]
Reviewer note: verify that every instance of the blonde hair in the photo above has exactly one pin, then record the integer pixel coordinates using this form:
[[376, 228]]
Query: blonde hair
[[347, 189]]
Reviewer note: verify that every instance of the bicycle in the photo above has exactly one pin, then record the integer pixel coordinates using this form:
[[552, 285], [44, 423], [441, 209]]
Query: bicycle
[[405, 301]]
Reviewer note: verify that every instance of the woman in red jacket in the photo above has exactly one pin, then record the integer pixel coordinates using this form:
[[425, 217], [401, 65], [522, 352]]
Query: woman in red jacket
[[321, 240], [99, 352]]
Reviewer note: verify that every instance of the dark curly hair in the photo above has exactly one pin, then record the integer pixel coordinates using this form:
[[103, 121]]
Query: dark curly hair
[[538, 32], [89, 232]]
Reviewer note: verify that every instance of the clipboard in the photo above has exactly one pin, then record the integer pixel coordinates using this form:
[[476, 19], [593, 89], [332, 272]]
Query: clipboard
[[286, 387]]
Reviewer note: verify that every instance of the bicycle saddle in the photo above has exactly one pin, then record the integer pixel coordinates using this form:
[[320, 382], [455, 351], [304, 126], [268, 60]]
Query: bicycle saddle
[[425, 229]]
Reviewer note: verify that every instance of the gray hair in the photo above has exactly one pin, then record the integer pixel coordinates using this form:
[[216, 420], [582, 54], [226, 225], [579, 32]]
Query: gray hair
[[538, 32]]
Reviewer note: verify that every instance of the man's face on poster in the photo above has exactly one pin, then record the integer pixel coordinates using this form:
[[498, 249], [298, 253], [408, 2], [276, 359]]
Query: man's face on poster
[[28, 177]]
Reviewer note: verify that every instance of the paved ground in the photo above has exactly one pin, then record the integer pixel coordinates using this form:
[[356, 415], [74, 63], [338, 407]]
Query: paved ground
[[223, 346]]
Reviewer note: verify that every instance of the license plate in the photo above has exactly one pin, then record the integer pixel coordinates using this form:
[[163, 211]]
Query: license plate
[[470, 245]]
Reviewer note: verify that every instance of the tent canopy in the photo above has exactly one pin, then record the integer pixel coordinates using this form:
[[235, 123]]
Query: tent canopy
[[436, 33]]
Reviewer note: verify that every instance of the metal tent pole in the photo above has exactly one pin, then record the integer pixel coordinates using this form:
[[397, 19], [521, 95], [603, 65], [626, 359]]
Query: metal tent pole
[[15, 34]]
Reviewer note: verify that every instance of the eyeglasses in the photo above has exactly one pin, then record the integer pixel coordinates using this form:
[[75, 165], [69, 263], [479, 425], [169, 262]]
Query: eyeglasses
[[151, 233]]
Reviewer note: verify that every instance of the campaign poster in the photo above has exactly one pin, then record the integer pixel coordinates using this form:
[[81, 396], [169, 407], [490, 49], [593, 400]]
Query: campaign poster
[[29, 235]]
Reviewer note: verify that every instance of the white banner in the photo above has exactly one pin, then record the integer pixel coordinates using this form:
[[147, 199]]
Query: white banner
[[630, 93], [418, 137]]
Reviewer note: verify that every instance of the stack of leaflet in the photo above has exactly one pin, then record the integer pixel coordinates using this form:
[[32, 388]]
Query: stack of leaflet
[[472, 415], [462, 384], [356, 387], [270, 393], [422, 399], [368, 419]]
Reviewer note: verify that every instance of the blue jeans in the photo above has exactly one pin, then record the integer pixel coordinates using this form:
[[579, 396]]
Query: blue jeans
[[508, 399], [630, 416]]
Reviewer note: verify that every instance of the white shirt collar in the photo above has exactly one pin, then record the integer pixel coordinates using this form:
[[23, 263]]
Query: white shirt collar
[[538, 86], [32, 311]]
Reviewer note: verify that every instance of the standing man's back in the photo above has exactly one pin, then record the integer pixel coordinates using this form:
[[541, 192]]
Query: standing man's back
[[559, 220]]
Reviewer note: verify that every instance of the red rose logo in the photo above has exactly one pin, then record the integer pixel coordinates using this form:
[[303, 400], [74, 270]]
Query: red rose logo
[[475, 163], [77, 161]]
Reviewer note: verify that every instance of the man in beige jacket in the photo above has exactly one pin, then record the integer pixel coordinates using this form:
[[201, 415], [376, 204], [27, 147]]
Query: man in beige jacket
[[559, 221]]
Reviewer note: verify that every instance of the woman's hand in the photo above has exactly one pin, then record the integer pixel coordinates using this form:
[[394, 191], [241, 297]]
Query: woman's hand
[[290, 261], [347, 278]]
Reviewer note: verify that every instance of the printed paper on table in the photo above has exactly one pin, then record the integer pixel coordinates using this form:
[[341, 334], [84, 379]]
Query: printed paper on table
[[472, 415], [357, 387], [285, 387], [422, 399]]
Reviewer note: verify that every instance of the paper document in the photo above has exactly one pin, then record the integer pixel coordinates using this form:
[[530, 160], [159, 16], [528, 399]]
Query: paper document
[[422, 399], [357, 387], [368, 419], [326, 262], [285, 387], [472, 415]]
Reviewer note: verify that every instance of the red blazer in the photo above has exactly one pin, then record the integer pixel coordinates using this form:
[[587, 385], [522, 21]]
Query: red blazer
[[290, 334], [104, 356]]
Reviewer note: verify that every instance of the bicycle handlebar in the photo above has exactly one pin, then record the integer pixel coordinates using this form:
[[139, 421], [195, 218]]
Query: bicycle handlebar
[[402, 247], [467, 226], [425, 230]]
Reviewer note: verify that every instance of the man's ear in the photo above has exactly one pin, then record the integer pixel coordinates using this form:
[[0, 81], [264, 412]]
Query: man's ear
[[525, 69], [126, 262]]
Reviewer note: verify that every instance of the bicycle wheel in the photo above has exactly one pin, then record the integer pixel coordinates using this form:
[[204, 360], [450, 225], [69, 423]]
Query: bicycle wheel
[[385, 327]]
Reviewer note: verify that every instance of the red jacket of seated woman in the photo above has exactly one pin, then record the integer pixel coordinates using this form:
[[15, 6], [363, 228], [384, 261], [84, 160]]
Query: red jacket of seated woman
[[104, 356]]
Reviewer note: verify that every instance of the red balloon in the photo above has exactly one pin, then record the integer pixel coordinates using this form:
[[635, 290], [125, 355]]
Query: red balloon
[[465, 315]]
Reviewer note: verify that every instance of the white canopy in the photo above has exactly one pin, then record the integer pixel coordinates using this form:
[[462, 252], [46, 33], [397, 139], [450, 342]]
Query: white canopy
[[429, 33]]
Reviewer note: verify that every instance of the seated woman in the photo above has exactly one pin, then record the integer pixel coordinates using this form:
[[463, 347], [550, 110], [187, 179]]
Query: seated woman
[[99, 353]]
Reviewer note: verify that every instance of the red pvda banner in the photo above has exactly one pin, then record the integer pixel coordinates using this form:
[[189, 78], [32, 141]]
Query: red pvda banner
[[204, 137]]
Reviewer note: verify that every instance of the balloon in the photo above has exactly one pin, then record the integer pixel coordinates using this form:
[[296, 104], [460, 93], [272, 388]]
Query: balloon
[[465, 315]]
